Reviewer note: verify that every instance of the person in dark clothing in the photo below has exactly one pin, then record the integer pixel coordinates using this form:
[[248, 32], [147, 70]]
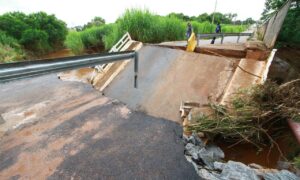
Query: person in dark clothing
[[218, 30], [189, 30]]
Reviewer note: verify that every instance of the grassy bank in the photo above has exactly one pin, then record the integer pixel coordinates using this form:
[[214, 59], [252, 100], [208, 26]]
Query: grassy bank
[[10, 49], [143, 26]]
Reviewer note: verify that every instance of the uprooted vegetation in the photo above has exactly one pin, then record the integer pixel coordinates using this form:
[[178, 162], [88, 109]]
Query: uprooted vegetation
[[257, 115]]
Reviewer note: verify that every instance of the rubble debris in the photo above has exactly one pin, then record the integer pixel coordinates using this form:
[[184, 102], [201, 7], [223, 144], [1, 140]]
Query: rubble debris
[[233, 169], [207, 160], [283, 174], [185, 108]]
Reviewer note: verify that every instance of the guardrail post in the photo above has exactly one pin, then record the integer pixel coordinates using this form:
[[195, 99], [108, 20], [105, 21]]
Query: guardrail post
[[198, 38], [238, 39], [136, 65], [222, 38]]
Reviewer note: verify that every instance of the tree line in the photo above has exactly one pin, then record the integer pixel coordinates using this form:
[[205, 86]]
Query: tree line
[[37, 32], [229, 18]]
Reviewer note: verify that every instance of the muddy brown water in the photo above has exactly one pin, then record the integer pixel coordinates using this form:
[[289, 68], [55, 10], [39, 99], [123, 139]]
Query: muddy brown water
[[81, 75], [268, 157], [58, 54]]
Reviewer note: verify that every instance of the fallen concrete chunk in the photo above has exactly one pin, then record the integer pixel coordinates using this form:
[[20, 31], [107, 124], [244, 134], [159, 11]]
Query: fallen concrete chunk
[[219, 165], [192, 150], [205, 174], [193, 139], [281, 175], [238, 171], [217, 152], [210, 154]]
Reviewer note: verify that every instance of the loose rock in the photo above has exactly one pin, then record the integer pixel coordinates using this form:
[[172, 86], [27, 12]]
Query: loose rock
[[281, 175], [238, 171]]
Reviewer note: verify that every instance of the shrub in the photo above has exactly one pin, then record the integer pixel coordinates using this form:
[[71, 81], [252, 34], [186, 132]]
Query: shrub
[[14, 24], [55, 29], [74, 42], [48, 31], [35, 40], [92, 37], [8, 40]]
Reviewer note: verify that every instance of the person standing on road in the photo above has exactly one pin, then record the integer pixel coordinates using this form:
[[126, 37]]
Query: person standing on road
[[218, 30], [189, 30]]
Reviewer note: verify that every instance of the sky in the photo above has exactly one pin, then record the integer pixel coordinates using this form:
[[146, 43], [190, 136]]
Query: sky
[[79, 12]]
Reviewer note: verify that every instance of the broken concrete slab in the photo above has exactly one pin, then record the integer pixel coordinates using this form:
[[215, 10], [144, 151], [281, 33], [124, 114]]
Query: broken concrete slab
[[168, 76]]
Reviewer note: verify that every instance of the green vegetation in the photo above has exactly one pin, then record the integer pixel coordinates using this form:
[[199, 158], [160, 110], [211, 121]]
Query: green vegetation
[[229, 18], [91, 38], [74, 42], [257, 115], [97, 21], [290, 32], [297, 162], [10, 50], [143, 26], [38, 33]]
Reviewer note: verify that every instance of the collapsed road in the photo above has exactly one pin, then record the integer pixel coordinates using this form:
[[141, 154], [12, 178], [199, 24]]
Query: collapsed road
[[62, 129]]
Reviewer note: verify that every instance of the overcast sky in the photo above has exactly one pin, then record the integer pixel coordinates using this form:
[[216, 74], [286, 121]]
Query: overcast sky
[[79, 12]]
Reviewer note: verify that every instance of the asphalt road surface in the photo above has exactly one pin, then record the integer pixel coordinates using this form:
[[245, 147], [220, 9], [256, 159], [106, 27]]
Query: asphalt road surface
[[67, 130]]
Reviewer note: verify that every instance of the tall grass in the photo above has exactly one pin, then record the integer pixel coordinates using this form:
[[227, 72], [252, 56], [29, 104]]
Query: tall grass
[[172, 29], [143, 26], [74, 42], [234, 28], [90, 38], [112, 35]]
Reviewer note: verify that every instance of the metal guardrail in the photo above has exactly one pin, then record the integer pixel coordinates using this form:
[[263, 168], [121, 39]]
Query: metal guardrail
[[27, 69], [121, 43], [116, 48], [222, 35]]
